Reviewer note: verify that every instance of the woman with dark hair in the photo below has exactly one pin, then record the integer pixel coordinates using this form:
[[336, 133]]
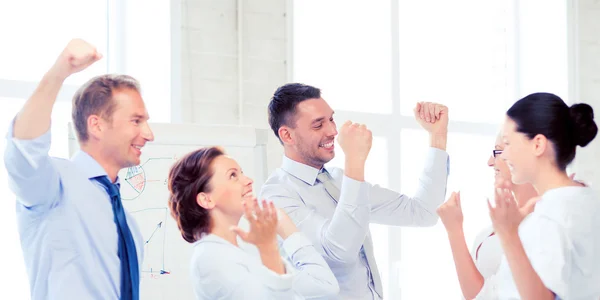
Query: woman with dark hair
[[209, 193], [554, 252]]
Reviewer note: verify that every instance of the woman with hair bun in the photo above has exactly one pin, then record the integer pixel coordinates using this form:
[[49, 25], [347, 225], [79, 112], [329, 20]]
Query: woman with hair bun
[[209, 193], [554, 252]]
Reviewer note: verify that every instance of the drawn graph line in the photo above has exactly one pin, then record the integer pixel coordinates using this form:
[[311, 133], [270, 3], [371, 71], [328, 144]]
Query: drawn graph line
[[136, 180], [162, 225], [155, 158]]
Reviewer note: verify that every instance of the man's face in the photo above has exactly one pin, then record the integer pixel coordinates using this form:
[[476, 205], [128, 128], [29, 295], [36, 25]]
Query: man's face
[[314, 132], [128, 131]]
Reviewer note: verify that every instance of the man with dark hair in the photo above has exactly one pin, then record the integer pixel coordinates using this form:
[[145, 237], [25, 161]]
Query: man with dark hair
[[334, 207], [77, 241]]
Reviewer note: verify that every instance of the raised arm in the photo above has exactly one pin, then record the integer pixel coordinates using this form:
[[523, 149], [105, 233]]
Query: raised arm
[[340, 237], [32, 176], [471, 281], [394, 208], [34, 118]]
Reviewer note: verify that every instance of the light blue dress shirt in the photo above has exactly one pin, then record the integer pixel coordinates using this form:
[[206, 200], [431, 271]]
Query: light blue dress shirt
[[220, 270], [339, 230], [65, 220]]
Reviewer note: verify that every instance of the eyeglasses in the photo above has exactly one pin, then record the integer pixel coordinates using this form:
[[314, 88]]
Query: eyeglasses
[[496, 152]]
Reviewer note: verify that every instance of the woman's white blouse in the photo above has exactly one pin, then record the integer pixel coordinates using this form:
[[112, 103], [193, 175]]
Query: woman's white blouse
[[220, 270], [487, 252], [561, 238]]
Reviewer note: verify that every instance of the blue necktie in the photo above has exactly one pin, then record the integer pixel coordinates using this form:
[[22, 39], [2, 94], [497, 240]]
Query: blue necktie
[[130, 273]]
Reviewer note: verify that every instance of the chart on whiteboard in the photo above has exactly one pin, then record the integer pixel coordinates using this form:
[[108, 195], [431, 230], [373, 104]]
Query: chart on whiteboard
[[144, 193]]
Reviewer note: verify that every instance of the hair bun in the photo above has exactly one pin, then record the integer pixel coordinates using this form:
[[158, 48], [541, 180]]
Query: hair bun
[[585, 128]]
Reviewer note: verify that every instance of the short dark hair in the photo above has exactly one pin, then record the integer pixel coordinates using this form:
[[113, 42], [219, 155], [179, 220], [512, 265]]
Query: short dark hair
[[282, 107], [566, 127], [188, 177], [95, 97]]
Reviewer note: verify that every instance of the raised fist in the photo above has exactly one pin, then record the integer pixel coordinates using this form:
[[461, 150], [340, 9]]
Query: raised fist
[[355, 140], [77, 56], [450, 213], [433, 117]]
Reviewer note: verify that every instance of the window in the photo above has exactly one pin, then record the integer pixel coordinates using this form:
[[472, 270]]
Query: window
[[48, 28], [388, 55], [445, 57], [357, 81], [427, 249], [144, 44]]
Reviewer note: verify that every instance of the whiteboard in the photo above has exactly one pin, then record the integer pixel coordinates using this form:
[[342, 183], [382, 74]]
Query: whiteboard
[[165, 269]]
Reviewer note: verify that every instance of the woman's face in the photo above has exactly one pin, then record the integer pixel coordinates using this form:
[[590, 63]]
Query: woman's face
[[500, 168], [519, 153], [230, 187]]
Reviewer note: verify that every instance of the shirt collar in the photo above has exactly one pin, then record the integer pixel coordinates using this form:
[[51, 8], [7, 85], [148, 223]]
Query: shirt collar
[[301, 171], [89, 166]]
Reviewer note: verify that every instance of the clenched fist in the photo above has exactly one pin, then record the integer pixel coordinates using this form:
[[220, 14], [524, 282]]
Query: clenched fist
[[355, 140], [77, 56], [433, 117], [450, 213]]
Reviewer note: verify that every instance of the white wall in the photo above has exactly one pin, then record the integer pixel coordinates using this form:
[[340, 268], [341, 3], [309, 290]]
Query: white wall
[[234, 55], [587, 82]]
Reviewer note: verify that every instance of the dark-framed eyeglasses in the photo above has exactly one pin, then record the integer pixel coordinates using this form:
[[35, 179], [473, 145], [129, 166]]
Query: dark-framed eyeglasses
[[496, 152]]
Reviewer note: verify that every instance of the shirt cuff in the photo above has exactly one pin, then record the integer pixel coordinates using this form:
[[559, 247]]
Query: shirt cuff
[[295, 242], [436, 158], [354, 192], [276, 281]]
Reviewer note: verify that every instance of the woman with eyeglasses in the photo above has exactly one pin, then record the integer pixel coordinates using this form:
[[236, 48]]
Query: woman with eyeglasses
[[209, 194], [475, 266], [482, 263]]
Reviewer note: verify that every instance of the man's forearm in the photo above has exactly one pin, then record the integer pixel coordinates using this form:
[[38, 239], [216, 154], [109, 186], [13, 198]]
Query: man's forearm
[[438, 140], [34, 118], [355, 169]]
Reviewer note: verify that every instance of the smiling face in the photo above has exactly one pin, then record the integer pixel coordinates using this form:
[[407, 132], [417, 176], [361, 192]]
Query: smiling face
[[229, 186], [500, 168], [127, 129], [312, 137], [521, 154]]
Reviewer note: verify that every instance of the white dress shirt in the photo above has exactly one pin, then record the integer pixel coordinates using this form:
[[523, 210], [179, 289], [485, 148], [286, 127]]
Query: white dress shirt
[[338, 230], [561, 238], [220, 270]]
